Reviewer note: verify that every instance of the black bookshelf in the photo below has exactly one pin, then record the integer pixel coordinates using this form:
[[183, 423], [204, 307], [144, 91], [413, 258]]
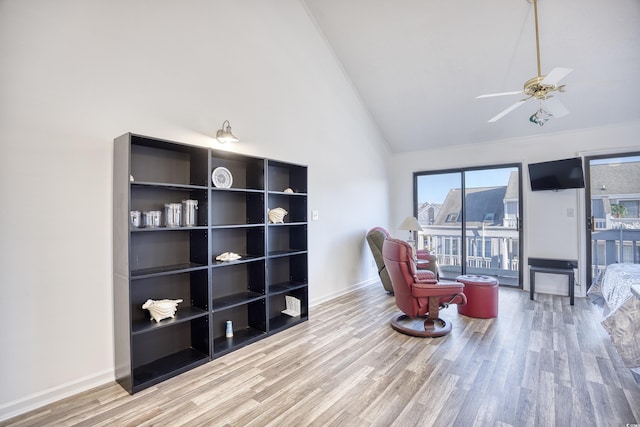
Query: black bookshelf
[[180, 262]]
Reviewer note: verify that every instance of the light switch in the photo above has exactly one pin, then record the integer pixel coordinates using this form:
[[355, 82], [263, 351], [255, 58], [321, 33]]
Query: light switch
[[570, 212], [315, 215]]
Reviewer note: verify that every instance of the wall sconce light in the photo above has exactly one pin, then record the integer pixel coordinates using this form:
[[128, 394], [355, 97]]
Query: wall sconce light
[[224, 135]]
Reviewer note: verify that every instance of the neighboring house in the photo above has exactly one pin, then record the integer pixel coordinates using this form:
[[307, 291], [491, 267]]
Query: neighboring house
[[483, 205], [608, 191], [511, 202], [427, 213], [491, 206]]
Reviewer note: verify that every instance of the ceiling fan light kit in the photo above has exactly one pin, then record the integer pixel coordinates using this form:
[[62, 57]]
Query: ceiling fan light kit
[[540, 117], [538, 87]]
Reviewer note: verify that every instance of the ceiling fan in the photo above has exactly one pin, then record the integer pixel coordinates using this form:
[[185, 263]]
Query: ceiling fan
[[538, 87]]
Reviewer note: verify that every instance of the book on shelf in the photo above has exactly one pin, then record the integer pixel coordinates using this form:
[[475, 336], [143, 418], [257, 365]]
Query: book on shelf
[[293, 306]]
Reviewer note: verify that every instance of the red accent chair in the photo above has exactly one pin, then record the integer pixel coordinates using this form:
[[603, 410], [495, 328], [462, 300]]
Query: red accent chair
[[376, 237], [418, 294], [427, 262]]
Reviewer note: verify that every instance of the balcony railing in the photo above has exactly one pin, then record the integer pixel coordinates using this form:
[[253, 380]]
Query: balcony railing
[[614, 246], [479, 263], [500, 258], [610, 223], [620, 243]]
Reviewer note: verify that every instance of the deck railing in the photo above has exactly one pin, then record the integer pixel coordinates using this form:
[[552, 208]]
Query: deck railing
[[620, 243], [502, 263], [614, 246]]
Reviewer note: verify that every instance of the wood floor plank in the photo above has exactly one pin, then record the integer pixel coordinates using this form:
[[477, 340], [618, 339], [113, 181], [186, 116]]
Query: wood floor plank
[[526, 412], [539, 362], [470, 409], [487, 414], [619, 406], [632, 395], [545, 407], [509, 399], [563, 409]]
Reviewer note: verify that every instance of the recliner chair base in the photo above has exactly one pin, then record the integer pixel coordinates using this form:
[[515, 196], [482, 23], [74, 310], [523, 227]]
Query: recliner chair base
[[420, 326]]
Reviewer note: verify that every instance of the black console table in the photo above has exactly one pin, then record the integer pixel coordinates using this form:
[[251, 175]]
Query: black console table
[[552, 266]]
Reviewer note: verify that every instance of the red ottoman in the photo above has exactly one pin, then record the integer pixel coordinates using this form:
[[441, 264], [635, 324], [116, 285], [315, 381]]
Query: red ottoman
[[482, 296]]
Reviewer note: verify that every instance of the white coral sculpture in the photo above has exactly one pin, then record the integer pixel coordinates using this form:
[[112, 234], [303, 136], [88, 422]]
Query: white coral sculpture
[[277, 215], [162, 309], [228, 256]]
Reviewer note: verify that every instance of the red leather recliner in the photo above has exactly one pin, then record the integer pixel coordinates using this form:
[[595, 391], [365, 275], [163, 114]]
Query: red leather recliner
[[418, 294]]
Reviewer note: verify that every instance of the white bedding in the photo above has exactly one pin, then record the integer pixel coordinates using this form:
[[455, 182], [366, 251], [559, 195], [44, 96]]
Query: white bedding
[[612, 291]]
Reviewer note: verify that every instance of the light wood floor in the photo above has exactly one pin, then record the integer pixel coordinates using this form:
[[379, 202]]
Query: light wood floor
[[541, 363]]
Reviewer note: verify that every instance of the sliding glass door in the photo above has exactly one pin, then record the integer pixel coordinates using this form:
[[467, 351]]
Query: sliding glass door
[[613, 211], [471, 220]]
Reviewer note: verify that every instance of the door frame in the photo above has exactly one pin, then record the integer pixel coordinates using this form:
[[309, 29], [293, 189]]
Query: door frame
[[463, 224], [589, 225]]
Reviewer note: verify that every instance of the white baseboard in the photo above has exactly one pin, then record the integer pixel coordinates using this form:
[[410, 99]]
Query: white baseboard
[[53, 394], [344, 291]]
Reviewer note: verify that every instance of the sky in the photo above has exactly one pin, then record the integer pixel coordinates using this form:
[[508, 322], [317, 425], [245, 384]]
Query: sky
[[616, 160], [434, 188]]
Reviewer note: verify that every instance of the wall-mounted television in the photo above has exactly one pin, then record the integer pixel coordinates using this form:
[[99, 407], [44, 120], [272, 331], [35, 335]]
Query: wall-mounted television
[[556, 174]]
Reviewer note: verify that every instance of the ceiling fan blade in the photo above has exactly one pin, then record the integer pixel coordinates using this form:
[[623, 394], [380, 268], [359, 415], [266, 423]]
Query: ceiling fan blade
[[556, 75], [507, 110], [555, 107], [491, 95]]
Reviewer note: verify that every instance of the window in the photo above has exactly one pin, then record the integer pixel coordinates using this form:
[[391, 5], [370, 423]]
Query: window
[[478, 246], [487, 248], [473, 251], [630, 208], [452, 217], [451, 246], [511, 208]]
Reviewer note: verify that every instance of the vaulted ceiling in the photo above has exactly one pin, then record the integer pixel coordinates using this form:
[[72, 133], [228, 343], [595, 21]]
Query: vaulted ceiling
[[419, 64]]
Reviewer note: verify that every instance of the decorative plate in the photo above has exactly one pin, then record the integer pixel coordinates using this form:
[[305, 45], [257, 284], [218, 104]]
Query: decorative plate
[[221, 177]]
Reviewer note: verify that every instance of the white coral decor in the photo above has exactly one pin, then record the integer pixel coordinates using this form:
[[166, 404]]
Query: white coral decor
[[162, 309], [277, 215], [228, 256]]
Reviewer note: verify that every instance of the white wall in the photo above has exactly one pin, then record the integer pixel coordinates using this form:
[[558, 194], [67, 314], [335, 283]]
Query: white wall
[[549, 232], [76, 74]]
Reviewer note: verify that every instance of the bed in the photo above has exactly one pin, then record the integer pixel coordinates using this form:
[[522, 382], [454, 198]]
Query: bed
[[617, 290]]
